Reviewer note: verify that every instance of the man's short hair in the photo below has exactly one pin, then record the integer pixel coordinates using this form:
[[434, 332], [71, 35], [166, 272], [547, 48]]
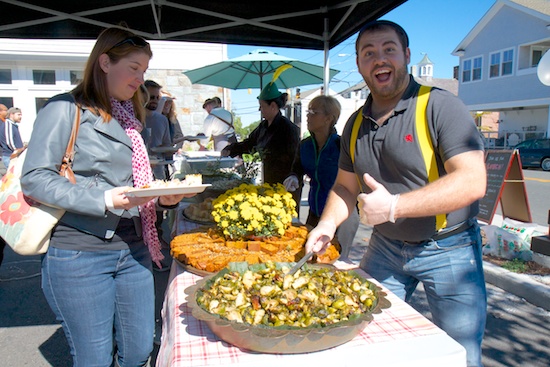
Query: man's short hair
[[214, 100], [383, 24], [152, 84], [13, 110]]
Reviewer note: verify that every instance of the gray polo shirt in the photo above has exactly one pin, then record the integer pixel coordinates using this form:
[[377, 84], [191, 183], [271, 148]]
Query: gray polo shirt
[[391, 153]]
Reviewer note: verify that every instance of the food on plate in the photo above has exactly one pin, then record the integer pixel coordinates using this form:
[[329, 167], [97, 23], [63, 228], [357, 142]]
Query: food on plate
[[270, 297], [193, 180], [207, 249], [190, 180]]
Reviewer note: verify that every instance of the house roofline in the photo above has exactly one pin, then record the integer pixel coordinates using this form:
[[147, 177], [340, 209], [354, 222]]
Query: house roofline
[[487, 18]]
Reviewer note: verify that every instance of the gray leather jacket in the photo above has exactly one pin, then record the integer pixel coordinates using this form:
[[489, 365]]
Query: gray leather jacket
[[103, 160]]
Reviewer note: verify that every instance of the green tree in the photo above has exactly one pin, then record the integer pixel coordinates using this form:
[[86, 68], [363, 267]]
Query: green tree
[[241, 131]]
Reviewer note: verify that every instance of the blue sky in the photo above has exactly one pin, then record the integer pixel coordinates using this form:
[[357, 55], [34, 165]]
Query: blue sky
[[435, 27]]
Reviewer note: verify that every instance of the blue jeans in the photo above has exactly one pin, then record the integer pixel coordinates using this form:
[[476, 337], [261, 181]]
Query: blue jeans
[[451, 271], [103, 298]]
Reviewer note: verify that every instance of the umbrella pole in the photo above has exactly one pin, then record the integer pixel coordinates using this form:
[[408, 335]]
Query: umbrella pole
[[261, 78], [327, 62]]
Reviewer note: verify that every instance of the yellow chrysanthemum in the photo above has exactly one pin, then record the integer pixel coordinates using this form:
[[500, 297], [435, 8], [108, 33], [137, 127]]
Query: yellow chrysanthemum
[[249, 210]]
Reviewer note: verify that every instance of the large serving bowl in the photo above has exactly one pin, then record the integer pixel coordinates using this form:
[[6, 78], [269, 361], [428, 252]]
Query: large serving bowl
[[285, 340]]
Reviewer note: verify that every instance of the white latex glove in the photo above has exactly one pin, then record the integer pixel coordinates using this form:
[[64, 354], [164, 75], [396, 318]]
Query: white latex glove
[[291, 183], [378, 206], [319, 238]]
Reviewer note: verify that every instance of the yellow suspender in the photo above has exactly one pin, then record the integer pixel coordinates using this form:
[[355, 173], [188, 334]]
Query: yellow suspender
[[353, 141], [424, 141], [426, 146]]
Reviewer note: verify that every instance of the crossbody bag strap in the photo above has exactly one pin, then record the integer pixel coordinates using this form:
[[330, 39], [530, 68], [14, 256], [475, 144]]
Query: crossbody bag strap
[[226, 122], [426, 146], [353, 143], [67, 163]]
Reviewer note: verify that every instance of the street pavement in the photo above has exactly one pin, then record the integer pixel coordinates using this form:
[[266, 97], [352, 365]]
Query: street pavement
[[517, 331]]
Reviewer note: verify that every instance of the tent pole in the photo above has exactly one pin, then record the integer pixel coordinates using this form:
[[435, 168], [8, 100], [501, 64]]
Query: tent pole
[[326, 63]]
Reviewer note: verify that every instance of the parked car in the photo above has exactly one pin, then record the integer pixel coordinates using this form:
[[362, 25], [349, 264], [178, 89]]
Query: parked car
[[535, 153]]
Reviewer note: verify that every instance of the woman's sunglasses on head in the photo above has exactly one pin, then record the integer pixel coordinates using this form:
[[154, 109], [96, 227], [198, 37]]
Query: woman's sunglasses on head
[[135, 41]]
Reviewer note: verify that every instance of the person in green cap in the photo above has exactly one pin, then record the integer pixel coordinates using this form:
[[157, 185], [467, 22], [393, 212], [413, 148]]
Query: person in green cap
[[276, 138]]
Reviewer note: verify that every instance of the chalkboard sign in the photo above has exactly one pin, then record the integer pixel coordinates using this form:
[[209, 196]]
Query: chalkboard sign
[[496, 164], [505, 184]]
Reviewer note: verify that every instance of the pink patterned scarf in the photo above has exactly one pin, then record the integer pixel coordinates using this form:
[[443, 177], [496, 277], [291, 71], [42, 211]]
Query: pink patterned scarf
[[124, 113]]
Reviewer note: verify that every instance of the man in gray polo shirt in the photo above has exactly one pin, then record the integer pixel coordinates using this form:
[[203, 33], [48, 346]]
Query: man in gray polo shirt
[[419, 190]]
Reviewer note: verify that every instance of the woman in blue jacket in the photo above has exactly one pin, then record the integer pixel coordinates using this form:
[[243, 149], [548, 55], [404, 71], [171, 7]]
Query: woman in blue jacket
[[317, 157]]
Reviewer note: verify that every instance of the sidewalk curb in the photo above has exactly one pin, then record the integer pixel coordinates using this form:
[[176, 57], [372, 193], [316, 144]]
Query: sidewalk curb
[[520, 285]]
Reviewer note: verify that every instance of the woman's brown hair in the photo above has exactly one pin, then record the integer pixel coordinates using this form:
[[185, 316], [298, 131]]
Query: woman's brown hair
[[92, 92]]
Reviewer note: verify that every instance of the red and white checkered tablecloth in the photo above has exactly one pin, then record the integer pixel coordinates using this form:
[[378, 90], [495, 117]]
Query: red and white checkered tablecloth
[[399, 329]]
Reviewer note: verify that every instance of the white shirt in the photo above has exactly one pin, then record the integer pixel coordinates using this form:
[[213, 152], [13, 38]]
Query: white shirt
[[213, 126]]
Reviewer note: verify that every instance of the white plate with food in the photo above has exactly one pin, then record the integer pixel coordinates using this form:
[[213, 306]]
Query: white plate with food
[[172, 190]]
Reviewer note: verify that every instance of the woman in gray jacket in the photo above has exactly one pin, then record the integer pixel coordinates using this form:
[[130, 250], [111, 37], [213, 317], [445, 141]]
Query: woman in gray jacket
[[97, 273]]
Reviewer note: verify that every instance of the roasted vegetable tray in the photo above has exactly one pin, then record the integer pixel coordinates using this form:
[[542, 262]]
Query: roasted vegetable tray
[[269, 338]]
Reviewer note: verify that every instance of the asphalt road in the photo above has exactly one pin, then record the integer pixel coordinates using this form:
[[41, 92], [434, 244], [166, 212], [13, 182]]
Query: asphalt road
[[537, 183]]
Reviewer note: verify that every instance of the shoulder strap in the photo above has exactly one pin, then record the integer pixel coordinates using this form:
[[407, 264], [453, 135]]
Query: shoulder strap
[[426, 146], [67, 164], [353, 141], [230, 124]]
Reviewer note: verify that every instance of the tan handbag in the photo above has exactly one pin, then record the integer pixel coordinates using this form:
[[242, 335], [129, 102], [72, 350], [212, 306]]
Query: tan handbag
[[26, 225]]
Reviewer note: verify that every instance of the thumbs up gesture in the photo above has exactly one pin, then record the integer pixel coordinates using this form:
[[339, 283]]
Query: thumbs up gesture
[[378, 206]]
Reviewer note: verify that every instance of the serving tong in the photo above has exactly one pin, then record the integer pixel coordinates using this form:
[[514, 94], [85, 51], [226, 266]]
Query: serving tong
[[300, 263]]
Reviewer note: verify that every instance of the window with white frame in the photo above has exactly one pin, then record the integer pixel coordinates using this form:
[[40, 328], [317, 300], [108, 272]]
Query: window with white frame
[[494, 67], [466, 71], [43, 77], [5, 76], [476, 71], [507, 62], [529, 56], [501, 63], [472, 69], [536, 55], [76, 76]]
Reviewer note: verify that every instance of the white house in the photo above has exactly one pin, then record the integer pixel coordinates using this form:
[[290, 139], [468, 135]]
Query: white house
[[33, 70], [498, 68]]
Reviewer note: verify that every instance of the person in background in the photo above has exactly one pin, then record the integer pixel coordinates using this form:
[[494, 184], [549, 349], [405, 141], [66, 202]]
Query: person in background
[[10, 139], [167, 106], [317, 157], [276, 139], [211, 103], [425, 228], [96, 274], [218, 125], [3, 112], [3, 115], [157, 132]]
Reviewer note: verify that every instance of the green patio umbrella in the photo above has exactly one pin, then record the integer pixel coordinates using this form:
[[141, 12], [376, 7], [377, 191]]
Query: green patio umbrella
[[255, 69]]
